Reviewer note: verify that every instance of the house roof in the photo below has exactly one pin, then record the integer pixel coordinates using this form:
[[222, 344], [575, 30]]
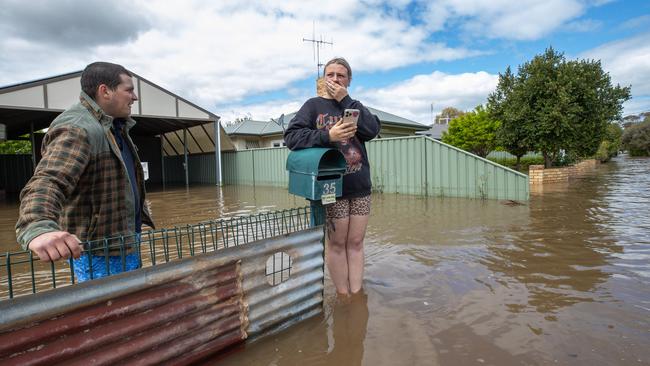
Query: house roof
[[252, 127], [435, 131], [386, 119], [391, 119], [34, 104]]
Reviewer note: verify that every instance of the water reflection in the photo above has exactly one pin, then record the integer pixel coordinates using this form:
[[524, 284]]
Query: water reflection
[[179, 206], [8, 218], [562, 279], [559, 254], [335, 337], [349, 318]]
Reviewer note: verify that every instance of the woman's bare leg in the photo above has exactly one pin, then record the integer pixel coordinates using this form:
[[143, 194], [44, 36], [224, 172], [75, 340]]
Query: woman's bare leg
[[354, 247], [337, 257]]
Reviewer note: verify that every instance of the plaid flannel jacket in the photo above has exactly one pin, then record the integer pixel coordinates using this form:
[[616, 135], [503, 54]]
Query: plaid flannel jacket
[[81, 184]]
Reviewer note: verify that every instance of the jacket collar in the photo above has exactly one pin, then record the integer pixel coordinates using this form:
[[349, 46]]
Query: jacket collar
[[98, 113]]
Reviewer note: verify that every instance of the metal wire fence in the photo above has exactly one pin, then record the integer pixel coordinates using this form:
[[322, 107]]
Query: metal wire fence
[[21, 273]]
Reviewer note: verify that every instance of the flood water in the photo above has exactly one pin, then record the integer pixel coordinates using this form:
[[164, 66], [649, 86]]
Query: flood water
[[563, 279]]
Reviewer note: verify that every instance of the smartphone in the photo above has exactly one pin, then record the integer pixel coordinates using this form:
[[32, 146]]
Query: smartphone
[[351, 115]]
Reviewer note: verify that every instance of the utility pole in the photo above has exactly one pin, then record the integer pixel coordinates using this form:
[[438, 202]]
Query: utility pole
[[316, 44]]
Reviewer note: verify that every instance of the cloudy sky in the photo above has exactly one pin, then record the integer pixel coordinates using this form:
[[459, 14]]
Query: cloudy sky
[[248, 58]]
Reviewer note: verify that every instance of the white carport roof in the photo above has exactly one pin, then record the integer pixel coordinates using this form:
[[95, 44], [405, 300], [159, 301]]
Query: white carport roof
[[31, 106]]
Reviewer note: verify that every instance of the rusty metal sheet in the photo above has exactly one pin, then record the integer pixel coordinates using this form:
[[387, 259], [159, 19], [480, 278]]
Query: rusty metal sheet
[[175, 313], [167, 308]]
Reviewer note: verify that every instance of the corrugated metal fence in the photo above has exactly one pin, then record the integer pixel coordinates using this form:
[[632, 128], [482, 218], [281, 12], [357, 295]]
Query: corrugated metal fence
[[174, 313], [203, 169], [412, 165], [423, 166], [264, 167]]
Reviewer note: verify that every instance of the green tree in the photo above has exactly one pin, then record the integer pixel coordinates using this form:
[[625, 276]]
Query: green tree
[[636, 139], [611, 144], [15, 147], [474, 132], [448, 114], [511, 134], [558, 105]]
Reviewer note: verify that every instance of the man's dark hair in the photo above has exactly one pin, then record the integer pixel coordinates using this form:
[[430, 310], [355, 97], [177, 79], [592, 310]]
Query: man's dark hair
[[99, 73]]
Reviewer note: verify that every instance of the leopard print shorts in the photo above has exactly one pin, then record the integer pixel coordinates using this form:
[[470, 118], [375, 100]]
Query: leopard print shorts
[[345, 207]]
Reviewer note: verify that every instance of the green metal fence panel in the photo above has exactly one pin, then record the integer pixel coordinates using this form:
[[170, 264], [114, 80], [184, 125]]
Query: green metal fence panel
[[475, 177], [270, 166], [174, 172], [264, 167], [396, 165], [424, 166], [202, 168], [239, 167], [415, 165]]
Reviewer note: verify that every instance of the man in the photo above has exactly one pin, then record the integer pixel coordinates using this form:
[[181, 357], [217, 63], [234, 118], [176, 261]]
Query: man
[[89, 184]]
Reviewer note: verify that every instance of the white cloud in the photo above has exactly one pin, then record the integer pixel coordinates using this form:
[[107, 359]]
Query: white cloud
[[628, 63], [218, 53], [586, 25], [515, 20], [412, 98], [638, 22]]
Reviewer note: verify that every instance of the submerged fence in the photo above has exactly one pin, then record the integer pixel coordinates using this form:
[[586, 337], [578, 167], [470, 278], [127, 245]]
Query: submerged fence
[[176, 313], [415, 165], [21, 273], [427, 167]]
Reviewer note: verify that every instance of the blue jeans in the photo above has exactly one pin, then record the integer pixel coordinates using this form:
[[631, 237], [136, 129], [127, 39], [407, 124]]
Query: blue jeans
[[82, 265]]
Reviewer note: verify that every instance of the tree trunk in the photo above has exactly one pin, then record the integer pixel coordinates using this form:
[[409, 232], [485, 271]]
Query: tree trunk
[[548, 161], [518, 165]]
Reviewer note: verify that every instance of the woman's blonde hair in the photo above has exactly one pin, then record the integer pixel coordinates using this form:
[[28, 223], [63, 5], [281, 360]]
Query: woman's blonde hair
[[340, 61]]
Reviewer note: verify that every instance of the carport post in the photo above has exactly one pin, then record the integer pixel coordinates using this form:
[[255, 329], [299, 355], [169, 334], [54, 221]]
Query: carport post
[[33, 141], [187, 168], [162, 160], [217, 149]]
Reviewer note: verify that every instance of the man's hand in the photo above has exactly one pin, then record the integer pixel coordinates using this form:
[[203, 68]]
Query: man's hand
[[55, 245], [342, 131], [337, 91]]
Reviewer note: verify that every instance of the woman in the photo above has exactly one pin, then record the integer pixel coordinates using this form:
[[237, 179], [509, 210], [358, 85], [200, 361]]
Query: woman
[[319, 123]]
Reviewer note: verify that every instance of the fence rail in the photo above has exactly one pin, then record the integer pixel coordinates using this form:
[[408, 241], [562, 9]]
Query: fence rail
[[21, 273]]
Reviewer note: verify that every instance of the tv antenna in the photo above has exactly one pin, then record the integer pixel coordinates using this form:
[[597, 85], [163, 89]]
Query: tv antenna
[[316, 45]]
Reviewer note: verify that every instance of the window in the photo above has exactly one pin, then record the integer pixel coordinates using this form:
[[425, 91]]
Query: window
[[252, 144]]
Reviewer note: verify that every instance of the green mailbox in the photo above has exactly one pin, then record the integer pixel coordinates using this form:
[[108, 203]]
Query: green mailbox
[[316, 174]]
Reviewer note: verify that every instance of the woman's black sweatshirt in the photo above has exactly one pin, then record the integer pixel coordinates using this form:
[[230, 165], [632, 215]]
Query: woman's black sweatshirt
[[310, 128]]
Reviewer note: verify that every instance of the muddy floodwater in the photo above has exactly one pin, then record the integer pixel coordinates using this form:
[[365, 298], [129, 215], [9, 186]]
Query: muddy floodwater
[[563, 279]]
